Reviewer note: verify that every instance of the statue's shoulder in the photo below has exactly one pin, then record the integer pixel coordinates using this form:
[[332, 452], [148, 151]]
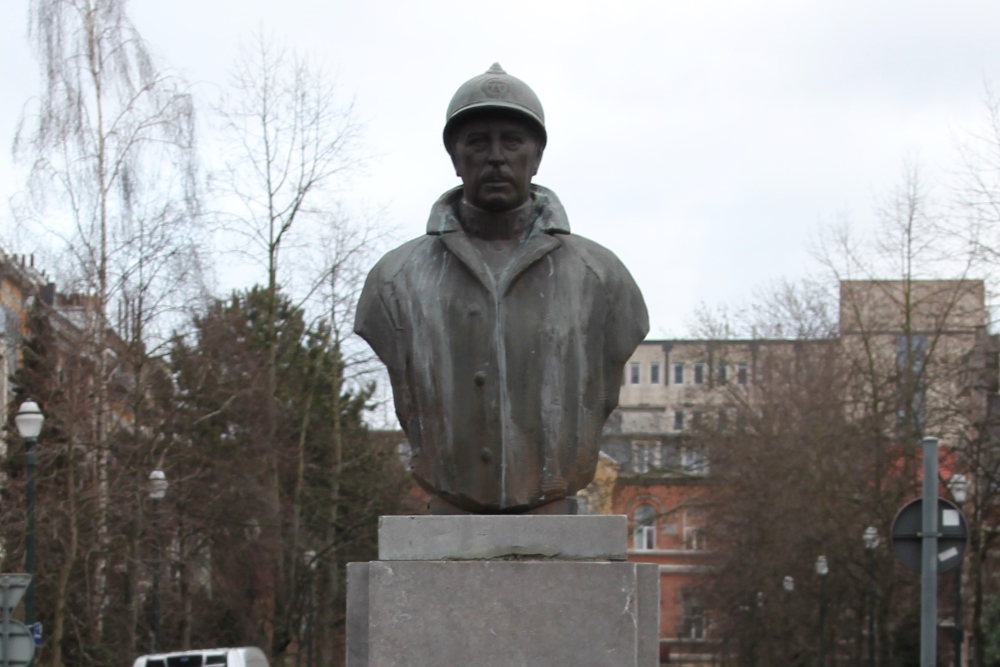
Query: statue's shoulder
[[398, 259], [598, 259]]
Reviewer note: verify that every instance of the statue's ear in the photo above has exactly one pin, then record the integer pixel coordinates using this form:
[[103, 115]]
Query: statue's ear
[[538, 161]]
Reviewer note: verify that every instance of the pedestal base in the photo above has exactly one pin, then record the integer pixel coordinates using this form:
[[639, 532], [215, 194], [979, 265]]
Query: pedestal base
[[507, 612]]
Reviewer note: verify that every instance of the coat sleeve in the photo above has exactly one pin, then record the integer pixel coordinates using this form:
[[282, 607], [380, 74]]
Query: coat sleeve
[[373, 321], [626, 326]]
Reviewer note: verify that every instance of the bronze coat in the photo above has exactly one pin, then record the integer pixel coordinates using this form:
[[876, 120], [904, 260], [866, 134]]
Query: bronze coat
[[502, 389]]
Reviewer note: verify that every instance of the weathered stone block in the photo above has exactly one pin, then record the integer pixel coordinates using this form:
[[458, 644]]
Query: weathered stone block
[[357, 613], [503, 614], [480, 537]]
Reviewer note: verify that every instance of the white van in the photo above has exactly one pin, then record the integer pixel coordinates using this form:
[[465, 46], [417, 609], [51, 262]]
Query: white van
[[247, 656]]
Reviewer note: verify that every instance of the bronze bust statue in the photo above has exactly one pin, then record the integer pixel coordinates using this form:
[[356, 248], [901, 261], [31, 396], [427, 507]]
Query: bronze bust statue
[[504, 334]]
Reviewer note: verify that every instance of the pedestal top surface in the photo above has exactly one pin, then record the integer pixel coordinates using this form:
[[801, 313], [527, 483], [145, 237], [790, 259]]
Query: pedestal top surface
[[489, 536]]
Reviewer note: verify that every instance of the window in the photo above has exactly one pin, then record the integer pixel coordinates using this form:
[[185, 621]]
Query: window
[[633, 372], [694, 461], [696, 418], [654, 373], [723, 372], [741, 374], [645, 456], [694, 538], [765, 370], [185, 661], [699, 373], [678, 420], [694, 535], [678, 373], [693, 620], [911, 356], [723, 418], [645, 528]]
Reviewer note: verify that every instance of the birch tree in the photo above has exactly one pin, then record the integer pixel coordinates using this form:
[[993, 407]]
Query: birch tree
[[110, 150]]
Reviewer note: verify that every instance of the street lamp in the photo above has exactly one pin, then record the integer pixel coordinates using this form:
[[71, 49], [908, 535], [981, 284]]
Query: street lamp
[[29, 420], [310, 559], [959, 487], [871, 540], [157, 491], [822, 569]]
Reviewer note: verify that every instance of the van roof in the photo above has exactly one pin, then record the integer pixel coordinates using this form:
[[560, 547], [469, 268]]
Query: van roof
[[199, 651]]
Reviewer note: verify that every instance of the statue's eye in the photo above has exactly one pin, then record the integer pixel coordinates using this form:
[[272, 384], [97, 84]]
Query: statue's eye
[[477, 141]]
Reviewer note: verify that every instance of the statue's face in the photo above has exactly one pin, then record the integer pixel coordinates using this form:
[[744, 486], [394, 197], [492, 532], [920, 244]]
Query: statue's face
[[496, 157]]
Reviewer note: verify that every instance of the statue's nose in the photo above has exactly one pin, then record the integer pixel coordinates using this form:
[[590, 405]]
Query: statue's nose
[[496, 153]]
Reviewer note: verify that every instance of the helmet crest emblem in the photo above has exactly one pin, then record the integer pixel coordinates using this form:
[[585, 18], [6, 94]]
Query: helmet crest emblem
[[494, 88]]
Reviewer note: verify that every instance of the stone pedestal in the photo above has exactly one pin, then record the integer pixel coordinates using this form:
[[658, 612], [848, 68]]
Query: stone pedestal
[[502, 591]]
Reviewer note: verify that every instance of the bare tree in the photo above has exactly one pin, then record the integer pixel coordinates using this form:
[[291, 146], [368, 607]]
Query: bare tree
[[110, 145], [825, 447], [291, 145]]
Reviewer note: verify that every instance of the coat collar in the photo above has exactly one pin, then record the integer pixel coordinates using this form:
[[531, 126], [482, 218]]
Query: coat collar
[[550, 220], [550, 216]]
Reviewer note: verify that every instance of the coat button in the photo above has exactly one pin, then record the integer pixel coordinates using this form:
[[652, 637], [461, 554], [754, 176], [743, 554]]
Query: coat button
[[480, 378], [486, 455]]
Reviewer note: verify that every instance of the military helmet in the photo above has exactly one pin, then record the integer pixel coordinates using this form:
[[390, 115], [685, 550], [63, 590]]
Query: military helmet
[[495, 90]]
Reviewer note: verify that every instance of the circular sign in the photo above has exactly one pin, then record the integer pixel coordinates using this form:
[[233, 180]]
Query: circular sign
[[907, 535], [19, 647]]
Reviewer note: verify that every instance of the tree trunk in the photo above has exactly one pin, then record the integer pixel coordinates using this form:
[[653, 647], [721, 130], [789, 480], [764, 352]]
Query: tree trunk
[[68, 561]]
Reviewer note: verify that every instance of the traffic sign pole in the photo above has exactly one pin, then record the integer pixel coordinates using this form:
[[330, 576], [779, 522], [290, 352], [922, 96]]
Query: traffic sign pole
[[929, 554], [5, 646], [16, 646]]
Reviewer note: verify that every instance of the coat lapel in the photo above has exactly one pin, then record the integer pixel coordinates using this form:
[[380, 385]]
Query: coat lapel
[[535, 248], [460, 246]]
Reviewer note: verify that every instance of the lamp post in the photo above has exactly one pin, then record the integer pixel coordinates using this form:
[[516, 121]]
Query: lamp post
[[871, 540], [157, 491], [29, 420], [310, 559], [959, 487], [822, 569]]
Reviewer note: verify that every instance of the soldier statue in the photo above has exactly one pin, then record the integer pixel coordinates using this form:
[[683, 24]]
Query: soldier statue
[[505, 335]]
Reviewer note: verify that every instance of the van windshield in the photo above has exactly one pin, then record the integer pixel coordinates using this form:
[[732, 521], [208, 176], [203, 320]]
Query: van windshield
[[185, 661], [189, 660]]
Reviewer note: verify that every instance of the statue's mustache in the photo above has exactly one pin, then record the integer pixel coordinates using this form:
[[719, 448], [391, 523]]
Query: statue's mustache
[[498, 176]]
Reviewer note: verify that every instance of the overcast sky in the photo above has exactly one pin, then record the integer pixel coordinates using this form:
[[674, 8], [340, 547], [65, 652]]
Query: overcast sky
[[703, 142]]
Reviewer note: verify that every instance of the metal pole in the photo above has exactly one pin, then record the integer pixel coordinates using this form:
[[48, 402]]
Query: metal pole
[[871, 608], [154, 633], [31, 458], [6, 625], [312, 617], [959, 635], [822, 621], [928, 565]]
